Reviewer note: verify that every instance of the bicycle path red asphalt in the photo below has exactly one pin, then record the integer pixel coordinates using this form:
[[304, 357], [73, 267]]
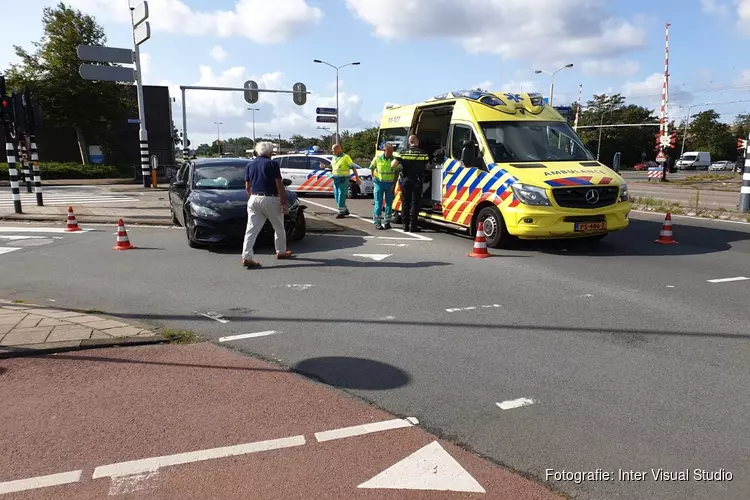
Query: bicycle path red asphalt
[[225, 426]]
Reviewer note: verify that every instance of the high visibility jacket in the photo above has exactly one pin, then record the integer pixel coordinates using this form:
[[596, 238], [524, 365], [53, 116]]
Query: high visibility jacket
[[382, 169], [341, 165], [413, 161]]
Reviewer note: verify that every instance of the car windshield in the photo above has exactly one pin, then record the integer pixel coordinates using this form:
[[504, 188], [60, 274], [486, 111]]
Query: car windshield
[[534, 141], [689, 157], [219, 176]]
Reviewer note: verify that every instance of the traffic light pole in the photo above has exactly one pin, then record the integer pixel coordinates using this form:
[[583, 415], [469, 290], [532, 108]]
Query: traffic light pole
[[745, 189], [142, 133], [12, 170], [25, 162], [35, 170]]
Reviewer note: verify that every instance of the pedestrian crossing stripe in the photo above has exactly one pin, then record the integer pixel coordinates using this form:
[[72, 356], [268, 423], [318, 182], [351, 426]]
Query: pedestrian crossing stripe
[[55, 199]]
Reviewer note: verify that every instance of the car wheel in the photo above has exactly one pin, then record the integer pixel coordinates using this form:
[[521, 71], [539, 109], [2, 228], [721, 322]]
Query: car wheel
[[300, 228], [493, 225], [191, 242]]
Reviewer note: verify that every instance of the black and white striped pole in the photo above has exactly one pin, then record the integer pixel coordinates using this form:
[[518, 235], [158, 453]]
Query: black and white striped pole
[[185, 141], [141, 33], [36, 171], [25, 162], [12, 170], [745, 189]]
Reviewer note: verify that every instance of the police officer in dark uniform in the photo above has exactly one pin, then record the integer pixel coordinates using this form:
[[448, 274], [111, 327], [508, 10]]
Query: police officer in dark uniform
[[413, 164]]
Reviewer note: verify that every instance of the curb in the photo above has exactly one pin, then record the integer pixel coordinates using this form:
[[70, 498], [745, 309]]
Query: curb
[[19, 351]]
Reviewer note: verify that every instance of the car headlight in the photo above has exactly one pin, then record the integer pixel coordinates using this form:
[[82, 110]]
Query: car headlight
[[530, 195], [201, 211], [624, 193]]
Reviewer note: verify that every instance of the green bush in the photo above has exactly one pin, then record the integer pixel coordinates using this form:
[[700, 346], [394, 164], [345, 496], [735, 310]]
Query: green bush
[[55, 170]]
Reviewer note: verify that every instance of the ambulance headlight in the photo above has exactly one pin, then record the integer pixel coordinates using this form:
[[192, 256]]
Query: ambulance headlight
[[530, 195], [624, 193]]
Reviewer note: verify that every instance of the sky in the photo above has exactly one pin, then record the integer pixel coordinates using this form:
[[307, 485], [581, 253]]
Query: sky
[[411, 50]]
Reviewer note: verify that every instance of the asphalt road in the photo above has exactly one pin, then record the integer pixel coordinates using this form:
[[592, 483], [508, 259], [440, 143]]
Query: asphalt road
[[631, 358]]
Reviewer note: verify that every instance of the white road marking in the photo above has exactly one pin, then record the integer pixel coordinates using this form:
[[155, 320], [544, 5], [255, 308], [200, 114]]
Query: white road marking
[[358, 430], [33, 483], [129, 484], [727, 280], [14, 237], [247, 336], [152, 464], [413, 235], [214, 316], [670, 286], [400, 245], [374, 256], [8, 249], [429, 468], [28, 229], [692, 217], [472, 308], [413, 420], [300, 287], [52, 198], [515, 403]]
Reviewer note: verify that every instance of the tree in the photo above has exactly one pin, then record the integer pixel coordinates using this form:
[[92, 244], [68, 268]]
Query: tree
[[707, 133], [741, 126], [51, 72], [360, 145]]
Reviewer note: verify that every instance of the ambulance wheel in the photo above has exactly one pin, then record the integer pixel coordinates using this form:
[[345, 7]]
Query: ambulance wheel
[[396, 218], [493, 225]]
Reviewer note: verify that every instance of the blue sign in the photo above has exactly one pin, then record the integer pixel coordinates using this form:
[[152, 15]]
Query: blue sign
[[563, 109], [325, 111], [325, 119], [546, 100], [134, 120], [514, 97]]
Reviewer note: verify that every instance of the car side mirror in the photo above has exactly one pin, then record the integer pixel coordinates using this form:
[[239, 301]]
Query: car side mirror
[[616, 162], [469, 154], [287, 182], [179, 184]]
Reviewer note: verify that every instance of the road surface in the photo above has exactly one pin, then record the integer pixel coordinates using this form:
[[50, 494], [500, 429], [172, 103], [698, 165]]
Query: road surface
[[629, 355]]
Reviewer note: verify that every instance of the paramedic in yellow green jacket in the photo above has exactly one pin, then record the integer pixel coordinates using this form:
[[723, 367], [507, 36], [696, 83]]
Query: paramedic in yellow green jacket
[[341, 168], [384, 177]]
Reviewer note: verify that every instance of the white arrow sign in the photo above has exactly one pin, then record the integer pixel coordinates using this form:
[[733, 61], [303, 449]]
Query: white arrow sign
[[374, 256], [430, 468]]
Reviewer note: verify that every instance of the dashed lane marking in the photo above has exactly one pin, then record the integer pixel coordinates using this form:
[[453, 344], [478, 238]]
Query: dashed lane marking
[[152, 464], [728, 280], [358, 430], [33, 483], [472, 308], [247, 336], [374, 256], [27, 229], [515, 403]]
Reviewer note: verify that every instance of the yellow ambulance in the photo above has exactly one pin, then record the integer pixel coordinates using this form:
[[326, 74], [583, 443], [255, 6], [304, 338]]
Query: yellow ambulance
[[508, 162]]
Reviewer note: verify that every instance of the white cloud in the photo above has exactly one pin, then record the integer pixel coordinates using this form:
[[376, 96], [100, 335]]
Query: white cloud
[[545, 30], [610, 67], [714, 7], [278, 114], [146, 73], [218, 53], [743, 12], [261, 21], [648, 93]]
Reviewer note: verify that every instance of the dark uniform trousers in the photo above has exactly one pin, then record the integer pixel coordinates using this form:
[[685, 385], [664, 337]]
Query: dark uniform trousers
[[413, 164]]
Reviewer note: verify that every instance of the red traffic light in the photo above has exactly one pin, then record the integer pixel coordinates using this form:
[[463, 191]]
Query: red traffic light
[[5, 102]]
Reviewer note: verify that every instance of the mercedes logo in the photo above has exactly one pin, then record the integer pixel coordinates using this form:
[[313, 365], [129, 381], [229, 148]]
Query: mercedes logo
[[592, 196]]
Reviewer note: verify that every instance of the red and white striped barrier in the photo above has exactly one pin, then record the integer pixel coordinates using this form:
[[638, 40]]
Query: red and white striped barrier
[[656, 174]]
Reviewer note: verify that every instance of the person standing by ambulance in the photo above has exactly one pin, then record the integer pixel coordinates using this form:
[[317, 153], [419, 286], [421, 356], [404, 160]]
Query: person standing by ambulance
[[413, 163], [341, 168], [384, 174]]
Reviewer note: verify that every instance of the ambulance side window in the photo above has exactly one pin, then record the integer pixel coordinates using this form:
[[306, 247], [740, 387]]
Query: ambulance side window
[[461, 134]]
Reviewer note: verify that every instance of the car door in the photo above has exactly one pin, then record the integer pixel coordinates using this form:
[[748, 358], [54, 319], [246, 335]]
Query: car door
[[178, 192], [320, 168], [297, 170]]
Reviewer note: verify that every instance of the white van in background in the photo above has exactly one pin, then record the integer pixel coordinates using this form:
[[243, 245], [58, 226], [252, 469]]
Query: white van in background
[[698, 160]]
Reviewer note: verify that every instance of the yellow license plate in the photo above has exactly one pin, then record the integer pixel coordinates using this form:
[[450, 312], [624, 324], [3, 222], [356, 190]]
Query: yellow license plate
[[590, 226]]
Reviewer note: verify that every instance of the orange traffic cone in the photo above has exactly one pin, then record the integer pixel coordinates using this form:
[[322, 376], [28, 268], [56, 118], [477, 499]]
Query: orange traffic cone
[[72, 222], [665, 237], [480, 245], [123, 242]]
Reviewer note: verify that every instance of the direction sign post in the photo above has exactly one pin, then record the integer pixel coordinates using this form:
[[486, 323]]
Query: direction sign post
[[325, 111], [141, 33], [325, 119], [106, 73]]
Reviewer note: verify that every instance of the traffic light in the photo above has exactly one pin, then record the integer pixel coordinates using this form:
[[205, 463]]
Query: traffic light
[[6, 109], [741, 143]]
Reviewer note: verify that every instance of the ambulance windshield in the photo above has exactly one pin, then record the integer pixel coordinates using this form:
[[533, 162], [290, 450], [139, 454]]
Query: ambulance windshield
[[528, 141]]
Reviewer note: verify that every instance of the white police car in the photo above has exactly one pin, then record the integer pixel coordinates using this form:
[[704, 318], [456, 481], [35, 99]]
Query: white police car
[[309, 175]]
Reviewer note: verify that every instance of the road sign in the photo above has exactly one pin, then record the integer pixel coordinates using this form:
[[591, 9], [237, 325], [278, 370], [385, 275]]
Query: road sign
[[325, 119], [106, 73], [142, 33], [134, 120], [661, 157], [140, 13], [325, 111], [98, 53], [300, 93], [250, 96]]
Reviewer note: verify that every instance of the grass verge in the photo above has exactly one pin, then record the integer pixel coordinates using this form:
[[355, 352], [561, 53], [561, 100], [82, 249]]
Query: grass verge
[[18, 301], [180, 336], [55, 170]]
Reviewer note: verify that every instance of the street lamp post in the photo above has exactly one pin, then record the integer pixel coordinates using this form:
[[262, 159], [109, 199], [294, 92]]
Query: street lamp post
[[687, 120], [337, 68], [218, 135], [253, 110], [552, 82]]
